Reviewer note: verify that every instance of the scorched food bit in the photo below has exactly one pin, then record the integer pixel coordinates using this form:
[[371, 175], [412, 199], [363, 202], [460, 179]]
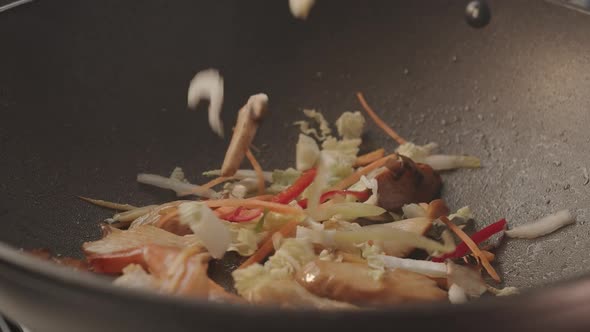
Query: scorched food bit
[[403, 182]]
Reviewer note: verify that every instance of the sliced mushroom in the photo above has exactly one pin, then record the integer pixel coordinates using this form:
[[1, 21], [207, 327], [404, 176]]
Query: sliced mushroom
[[404, 182], [249, 118], [354, 283]]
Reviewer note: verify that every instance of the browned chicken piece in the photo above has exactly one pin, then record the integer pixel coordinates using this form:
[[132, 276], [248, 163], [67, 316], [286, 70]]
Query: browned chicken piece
[[181, 271], [354, 283], [404, 182], [289, 294], [158, 217]]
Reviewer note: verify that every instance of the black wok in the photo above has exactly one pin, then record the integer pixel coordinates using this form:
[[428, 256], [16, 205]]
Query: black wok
[[92, 93]]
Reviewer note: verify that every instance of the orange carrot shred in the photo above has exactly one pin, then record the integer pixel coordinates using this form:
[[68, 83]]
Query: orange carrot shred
[[369, 157], [168, 216], [473, 247], [356, 176], [267, 246], [258, 170], [262, 197], [216, 181], [378, 121]]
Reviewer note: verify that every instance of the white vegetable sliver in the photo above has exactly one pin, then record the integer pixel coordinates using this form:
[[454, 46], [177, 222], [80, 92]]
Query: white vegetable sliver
[[542, 226], [208, 84], [132, 214], [210, 230], [413, 211], [469, 280], [307, 153], [241, 174], [301, 8], [457, 294], [181, 188], [430, 269], [441, 162]]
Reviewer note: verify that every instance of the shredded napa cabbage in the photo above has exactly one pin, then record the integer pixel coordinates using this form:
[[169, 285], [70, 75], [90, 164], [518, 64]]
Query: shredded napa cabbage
[[423, 154], [247, 279], [208, 228], [369, 252], [178, 174], [463, 213], [342, 155], [417, 153], [293, 254], [307, 153], [350, 125], [281, 179], [324, 126], [244, 238]]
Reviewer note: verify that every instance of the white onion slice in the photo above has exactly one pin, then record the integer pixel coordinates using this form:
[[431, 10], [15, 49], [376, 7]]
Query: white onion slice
[[440, 162], [542, 226], [241, 174], [181, 188], [457, 294], [301, 8], [431, 269], [208, 84]]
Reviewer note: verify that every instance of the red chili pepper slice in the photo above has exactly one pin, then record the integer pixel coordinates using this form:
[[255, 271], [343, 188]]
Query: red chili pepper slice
[[296, 188], [241, 214], [360, 195], [478, 237]]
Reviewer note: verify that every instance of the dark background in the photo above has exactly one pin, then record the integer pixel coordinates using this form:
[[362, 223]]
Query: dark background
[[94, 92]]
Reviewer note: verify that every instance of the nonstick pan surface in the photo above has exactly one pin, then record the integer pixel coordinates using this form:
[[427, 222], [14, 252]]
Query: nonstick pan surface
[[92, 93]]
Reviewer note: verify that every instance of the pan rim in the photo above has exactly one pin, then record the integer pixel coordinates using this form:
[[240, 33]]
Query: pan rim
[[60, 276]]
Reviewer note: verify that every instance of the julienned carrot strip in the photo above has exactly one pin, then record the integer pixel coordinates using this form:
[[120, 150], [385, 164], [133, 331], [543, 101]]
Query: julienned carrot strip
[[168, 216], [378, 121], [478, 237], [258, 169], [267, 246], [216, 181], [473, 247], [107, 204], [489, 255], [294, 190], [369, 157], [356, 176], [254, 203]]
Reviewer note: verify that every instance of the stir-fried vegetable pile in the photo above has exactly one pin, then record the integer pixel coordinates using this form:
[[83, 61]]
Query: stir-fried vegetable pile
[[341, 230]]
